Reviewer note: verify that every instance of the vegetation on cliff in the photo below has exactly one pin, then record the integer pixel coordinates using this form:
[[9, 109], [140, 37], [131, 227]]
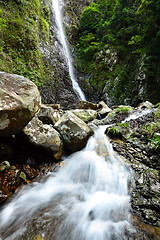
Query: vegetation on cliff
[[23, 24], [118, 47]]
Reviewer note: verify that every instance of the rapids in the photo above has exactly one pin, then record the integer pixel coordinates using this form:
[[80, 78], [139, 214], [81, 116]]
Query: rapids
[[87, 199]]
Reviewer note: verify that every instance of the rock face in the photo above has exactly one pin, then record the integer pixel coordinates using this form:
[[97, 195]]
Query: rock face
[[19, 102], [137, 140], [44, 136], [74, 131]]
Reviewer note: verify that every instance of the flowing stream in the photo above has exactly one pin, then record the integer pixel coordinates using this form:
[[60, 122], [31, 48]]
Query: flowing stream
[[63, 40], [87, 199]]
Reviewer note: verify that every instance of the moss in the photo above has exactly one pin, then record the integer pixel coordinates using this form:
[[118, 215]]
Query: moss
[[124, 109], [135, 74], [123, 125], [25, 24], [114, 132]]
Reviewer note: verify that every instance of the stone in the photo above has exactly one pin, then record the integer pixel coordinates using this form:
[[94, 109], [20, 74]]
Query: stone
[[143, 158], [22, 176], [19, 102], [4, 166], [145, 105], [85, 114], [48, 115], [86, 105], [74, 131], [54, 106], [118, 114], [103, 109], [44, 136], [30, 171]]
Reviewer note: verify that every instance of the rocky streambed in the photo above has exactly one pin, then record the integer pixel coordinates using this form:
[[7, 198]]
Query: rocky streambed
[[34, 137]]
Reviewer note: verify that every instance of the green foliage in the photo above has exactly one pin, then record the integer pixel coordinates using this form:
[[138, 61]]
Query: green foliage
[[123, 125], [115, 132], [23, 24], [90, 19], [132, 30], [152, 130], [124, 109], [156, 140]]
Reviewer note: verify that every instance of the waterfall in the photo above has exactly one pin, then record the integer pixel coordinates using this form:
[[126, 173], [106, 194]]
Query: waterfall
[[87, 199], [63, 40]]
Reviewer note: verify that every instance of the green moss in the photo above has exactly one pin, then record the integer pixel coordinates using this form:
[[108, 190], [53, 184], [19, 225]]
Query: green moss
[[131, 30], [23, 25], [125, 109], [123, 125], [114, 132]]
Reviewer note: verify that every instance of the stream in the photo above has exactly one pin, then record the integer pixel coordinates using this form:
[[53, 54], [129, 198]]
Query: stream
[[87, 199]]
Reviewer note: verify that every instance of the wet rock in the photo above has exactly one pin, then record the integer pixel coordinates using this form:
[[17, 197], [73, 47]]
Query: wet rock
[[3, 197], [145, 192], [86, 105], [117, 115], [139, 151], [30, 171], [115, 132], [145, 231], [48, 115], [4, 166], [92, 126], [103, 109], [19, 102], [44, 137], [145, 105], [54, 106], [8, 182], [22, 176], [85, 114], [74, 131]]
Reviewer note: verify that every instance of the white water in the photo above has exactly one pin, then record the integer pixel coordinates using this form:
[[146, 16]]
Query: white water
[[137, 114], [63, 40], [87, 199]]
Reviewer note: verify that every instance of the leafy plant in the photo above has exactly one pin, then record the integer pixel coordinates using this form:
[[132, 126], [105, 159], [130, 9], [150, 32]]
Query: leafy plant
[[156, 140], [123, 125], [124, 109], [131, 30]]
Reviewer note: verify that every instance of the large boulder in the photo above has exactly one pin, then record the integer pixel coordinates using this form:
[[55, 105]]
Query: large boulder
[[44, 137], [74, 131], [85, 114], [103, 109], [19, 102]]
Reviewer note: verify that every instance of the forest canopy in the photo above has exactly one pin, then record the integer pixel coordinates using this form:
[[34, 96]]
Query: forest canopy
[[132, 30]]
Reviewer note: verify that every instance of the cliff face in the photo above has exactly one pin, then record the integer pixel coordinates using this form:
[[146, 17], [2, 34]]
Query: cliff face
[[29, 46], [118, 50], [114, 46]]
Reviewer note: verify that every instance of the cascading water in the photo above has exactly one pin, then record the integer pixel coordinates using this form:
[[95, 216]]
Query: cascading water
[[87, 199], [137, 114], [63, 40]]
